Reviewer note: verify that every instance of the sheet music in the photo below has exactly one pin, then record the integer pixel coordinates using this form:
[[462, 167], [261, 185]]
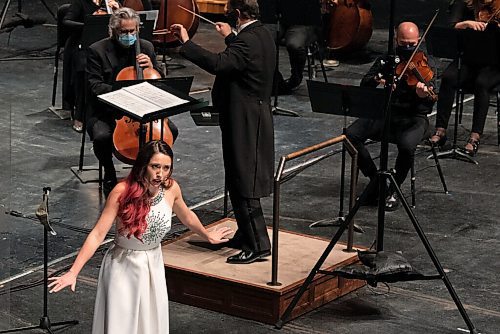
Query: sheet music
[[142, 99]]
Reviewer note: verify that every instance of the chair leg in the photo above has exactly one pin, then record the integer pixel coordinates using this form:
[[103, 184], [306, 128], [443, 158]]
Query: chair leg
[[438, 167], [461, 108], [412, 185], [100, 176], [321, 58], [498, 118], [309, 63]]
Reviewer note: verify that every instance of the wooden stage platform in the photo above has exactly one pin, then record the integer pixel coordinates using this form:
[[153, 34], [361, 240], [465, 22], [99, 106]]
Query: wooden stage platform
[[197, 274]]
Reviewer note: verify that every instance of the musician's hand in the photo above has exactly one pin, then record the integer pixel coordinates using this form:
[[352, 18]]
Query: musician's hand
[[114, 5], [144, 60], [475, 25], [223, 28], [180, 32], [422, 90]]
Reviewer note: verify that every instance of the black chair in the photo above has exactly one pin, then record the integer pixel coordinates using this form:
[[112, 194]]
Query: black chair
[[314, 52], [62, 36]]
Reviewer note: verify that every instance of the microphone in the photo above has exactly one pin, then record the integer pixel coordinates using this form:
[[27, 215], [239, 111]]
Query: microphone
[[42, 213]]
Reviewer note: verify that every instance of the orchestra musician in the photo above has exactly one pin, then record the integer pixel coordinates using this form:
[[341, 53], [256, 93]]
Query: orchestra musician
[[75, 57], [408, 123], [465, 15], [241, 94], [299, 25], [105, 60]]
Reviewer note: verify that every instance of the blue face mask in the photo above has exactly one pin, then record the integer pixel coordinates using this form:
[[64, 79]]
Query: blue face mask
[[127, 40]]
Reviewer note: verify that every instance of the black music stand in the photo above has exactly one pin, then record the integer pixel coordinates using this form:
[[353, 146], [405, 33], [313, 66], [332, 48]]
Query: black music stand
[[191, 104], [43, 215], [384, 174], [467, 46], [344, 100]]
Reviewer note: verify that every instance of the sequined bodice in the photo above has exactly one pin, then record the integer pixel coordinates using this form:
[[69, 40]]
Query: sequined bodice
[[159, 221]]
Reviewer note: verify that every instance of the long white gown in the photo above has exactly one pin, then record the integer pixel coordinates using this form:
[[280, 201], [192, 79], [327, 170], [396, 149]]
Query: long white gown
[[132, 291]]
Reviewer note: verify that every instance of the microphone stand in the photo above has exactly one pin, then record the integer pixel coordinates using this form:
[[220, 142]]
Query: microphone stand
[[42, 214]]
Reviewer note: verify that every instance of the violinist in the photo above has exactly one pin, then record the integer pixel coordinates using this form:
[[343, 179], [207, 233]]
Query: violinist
[[408, 123], [75, 57], [105, 60], [465, 14]]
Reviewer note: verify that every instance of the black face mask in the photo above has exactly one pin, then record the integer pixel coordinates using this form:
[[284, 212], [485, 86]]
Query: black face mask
[[232, 18], [404, 51]]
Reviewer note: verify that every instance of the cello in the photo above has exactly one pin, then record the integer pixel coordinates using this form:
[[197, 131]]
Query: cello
[[174, 14], [349, 25], [127, 131]]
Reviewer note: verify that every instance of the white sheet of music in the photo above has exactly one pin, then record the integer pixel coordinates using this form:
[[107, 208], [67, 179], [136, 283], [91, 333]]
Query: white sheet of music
[[142, 99]]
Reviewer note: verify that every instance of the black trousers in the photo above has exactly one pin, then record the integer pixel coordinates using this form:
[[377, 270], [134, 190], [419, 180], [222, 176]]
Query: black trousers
[[406, 133], [478, 80], [297, 39], [252, 232]]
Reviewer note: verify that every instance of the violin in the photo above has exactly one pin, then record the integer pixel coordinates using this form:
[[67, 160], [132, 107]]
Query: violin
[[489, 11], [417, 70], [127, 131]]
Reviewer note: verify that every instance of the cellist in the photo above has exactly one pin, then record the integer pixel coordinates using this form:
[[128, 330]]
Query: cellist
[[465, 14], [105, 60]]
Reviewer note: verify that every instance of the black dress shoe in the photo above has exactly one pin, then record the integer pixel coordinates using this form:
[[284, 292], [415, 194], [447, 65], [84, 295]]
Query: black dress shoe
[[391, 203], [245, 257]]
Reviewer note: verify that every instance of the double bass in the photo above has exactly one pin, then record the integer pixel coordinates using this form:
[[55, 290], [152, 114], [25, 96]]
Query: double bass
[[349, 25], [127, 132]]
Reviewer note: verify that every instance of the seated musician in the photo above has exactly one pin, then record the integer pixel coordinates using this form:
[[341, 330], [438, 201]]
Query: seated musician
[[75, 56], [465, 15], [105, 60], [408, 122]]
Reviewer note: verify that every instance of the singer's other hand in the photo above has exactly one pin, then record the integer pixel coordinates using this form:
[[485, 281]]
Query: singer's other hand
[[179, 32], [60, 282], [223, 28]]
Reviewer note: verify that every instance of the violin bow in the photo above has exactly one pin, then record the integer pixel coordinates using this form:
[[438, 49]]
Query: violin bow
[[493, 15], [418, 45]]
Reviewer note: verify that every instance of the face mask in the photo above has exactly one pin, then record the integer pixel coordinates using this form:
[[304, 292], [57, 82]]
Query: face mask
[[127, 40], [232, 18], [405, 51]]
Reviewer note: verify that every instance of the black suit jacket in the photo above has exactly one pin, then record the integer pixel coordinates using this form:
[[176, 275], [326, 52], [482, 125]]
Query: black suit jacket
[[242, 94], [102, 68]]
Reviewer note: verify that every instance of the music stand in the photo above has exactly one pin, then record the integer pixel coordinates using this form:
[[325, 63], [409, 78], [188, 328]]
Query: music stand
[[6, 6], [43, 215], [344, 100], [383, 176], [467, 45]]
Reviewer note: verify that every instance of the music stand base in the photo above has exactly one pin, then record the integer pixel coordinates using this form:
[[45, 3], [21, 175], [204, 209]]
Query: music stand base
[[455, 153], [44, 325], [86, 174], [59, 112], [334, 222], [284, 112]]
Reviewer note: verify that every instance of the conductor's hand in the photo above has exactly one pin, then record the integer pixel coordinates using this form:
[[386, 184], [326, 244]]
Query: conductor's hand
[[219, 235], [144, 60], [475, 25], [180, 32], [223, 28], [60, 282], [114, 5]]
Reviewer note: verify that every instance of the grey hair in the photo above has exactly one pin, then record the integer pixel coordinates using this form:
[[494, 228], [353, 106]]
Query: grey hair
[[120, 14]]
